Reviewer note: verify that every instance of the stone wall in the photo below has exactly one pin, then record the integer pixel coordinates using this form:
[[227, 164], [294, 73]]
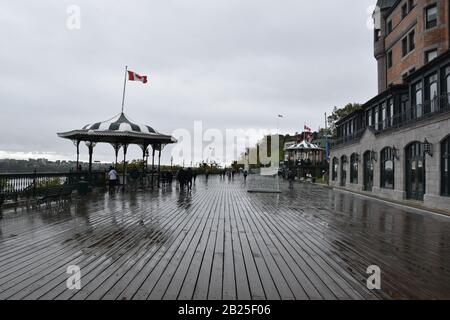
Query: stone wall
[[434, 130]]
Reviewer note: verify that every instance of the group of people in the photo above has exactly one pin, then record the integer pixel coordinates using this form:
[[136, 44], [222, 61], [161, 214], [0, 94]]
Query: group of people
[[186, 177]]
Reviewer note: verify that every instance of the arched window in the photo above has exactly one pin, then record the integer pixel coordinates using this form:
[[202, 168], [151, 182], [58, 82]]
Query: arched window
[[445, 165], [334, 170], [354, 160], [387, 168]]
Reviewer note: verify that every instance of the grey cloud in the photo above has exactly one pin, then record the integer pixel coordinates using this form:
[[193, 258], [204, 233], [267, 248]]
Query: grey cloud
[[229, 63]]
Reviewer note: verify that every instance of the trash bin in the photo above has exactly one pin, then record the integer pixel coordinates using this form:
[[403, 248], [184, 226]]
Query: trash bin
[[83, 188]]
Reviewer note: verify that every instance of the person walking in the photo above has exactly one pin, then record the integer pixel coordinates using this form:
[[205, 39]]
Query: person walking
[[181, 179], [291, 178], [194, 175], [245, 175], [189, 176], [112, 178]]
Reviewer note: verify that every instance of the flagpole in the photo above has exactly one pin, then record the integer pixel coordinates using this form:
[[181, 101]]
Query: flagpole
[[124, 87]]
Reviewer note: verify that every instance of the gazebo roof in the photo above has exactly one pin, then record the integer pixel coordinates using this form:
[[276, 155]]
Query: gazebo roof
[[118, 130], [304, 145]]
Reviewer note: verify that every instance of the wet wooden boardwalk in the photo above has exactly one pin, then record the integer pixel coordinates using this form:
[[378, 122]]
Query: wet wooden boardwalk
[[220, 242]]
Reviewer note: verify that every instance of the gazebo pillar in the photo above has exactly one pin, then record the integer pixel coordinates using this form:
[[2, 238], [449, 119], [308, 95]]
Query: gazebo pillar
[[90, 146], [144, 166], [116, 147], [153, 163], [124, 173], [77, 145], [159, 166]]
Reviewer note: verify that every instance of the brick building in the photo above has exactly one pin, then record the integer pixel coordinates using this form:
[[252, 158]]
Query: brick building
[[398, 144], [408, 34]]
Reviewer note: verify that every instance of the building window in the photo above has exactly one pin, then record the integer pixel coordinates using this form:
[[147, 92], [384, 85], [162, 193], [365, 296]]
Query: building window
[[354, 160], [412, 40], [431, 16], [369, 117], [389, 27], [390, 111], [376, 116], [408, 43], [418, 110], [445, 165], [383, 123], [404, 10], [405, 46], [410, 5], [387, 168], [447, 84], [431, 55], [377, 34], [334, 170], [389, 59], [432, 93]]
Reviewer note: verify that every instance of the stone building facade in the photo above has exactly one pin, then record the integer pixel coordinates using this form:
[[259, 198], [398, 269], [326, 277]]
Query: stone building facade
[[436, 131], [397, 145]]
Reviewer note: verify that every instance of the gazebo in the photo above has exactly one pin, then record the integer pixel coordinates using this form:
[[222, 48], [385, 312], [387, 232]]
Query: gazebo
[[119, 132], [305, 151]]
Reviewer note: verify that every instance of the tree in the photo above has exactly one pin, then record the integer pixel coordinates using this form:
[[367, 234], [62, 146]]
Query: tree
[[340, 113]]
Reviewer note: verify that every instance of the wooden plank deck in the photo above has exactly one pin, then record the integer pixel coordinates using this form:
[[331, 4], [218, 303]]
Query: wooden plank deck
[[220, 242]]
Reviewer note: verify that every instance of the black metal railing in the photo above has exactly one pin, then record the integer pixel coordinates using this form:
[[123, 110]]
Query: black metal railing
[[14, 186], [413, 114], [350, 138]]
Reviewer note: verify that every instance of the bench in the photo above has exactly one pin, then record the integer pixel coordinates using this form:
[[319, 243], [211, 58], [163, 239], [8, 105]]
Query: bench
[[57, 194]]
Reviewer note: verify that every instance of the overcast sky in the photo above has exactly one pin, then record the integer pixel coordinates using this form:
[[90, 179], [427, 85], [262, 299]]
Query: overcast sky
[[228, 63]]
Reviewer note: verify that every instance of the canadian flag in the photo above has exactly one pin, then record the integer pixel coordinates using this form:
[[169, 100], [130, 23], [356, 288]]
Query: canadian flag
[[133, 76]]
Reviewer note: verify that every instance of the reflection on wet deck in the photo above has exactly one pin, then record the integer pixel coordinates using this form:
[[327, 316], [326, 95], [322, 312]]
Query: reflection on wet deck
[[219, 242]]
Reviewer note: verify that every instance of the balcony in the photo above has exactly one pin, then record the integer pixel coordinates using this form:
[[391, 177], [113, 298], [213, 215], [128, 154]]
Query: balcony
[[348, 139], [410, 115]]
